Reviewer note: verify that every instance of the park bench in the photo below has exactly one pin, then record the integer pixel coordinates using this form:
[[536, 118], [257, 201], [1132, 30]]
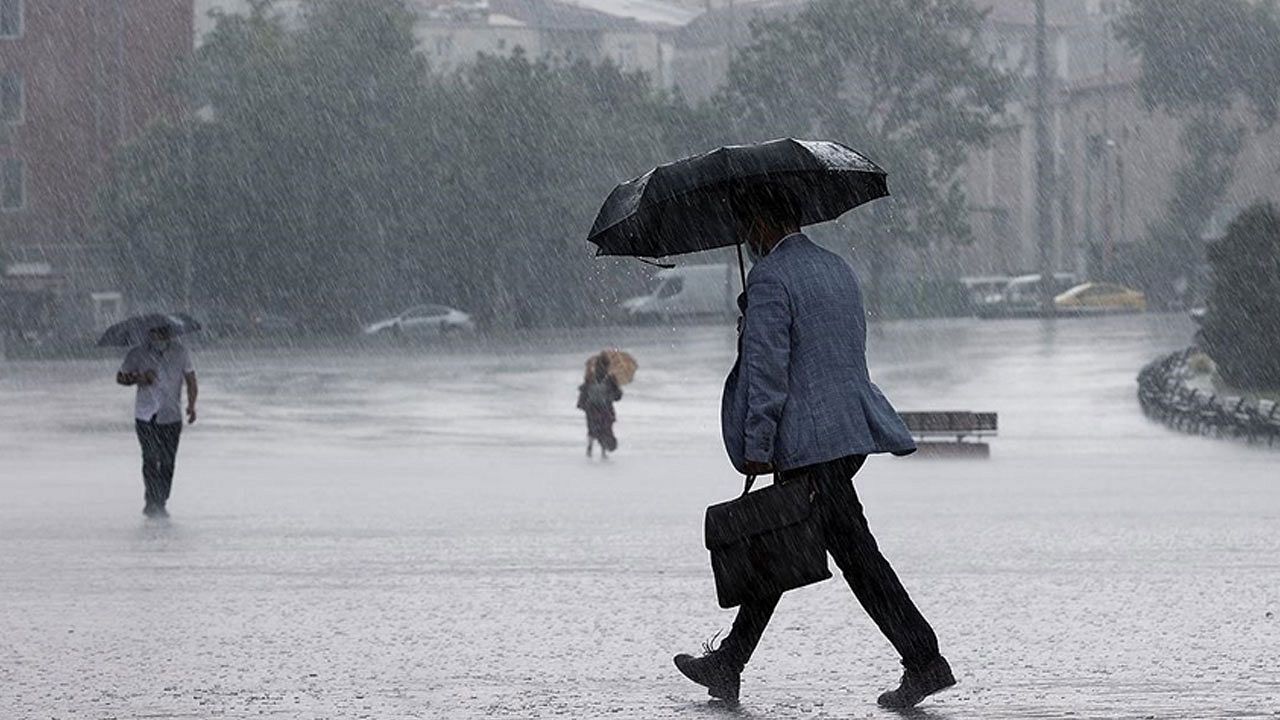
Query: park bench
[[949, 432]]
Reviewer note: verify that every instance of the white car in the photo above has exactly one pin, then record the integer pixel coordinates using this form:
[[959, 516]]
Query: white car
[[687, 292], [422, 320]]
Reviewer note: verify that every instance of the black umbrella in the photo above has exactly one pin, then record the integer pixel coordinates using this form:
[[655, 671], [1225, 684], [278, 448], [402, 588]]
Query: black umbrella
[[684, 207], [134, 330]]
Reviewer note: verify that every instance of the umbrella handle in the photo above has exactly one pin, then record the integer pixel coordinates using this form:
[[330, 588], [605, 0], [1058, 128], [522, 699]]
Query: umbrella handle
[[742, 268]]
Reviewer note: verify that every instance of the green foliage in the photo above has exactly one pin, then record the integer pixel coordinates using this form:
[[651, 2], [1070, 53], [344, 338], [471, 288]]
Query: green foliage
[[336, 179], [540, 145], [1174, 246], [330, 175], [1241, 331], [902, 80], [1200, 60], [1202, 54], [143, 209], [285, 198]]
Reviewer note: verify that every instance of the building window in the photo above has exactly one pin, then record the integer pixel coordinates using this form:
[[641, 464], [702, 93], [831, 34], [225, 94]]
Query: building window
[[11, 98], [626, 55], [13, 190], [10, 18]]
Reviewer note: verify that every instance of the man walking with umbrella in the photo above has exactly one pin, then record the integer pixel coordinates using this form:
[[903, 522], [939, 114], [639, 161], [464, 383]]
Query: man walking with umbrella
[[159, 366], [799, 402]]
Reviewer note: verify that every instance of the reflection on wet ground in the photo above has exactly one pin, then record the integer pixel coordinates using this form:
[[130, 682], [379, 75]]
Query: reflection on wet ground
[[414, 532]]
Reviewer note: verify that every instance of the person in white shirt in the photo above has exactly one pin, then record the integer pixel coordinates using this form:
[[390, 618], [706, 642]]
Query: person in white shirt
[[159, 367]]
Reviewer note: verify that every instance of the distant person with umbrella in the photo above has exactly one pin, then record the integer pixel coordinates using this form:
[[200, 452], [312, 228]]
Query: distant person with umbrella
[[799, 403], [599, 390], [158, 366]]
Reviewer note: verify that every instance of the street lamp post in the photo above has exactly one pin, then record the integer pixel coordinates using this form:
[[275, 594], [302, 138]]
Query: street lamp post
[[188, 246], [1101, 149], [1044, 163]]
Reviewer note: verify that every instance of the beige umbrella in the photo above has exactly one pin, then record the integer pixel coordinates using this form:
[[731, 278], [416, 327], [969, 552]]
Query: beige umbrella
[[621, 365]]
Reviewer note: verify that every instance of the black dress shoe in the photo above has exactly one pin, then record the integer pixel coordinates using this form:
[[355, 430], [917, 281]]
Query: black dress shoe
[[721, 679], [917, 685]]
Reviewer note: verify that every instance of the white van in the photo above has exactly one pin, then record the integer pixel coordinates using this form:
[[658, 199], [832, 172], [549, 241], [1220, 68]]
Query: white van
[[688, 292]]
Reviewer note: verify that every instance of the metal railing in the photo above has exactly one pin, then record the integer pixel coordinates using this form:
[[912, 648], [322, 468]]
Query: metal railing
[[1165, 396]]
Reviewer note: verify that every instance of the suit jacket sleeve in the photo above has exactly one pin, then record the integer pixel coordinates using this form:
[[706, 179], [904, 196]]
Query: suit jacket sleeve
[[766, 355]]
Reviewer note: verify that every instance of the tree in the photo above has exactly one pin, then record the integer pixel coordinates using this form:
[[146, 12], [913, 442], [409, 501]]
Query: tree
[[1200, 61], [334, 177], [144, 212], [1174, 246], [1241, 331], [286, 195], [901, 80], [540, 144], [1198, 55]]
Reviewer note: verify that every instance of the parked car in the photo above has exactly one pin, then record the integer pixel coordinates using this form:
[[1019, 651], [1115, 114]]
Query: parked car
[[273, 324], [424, 320], [1100, 298], [984, 289], [687, 292], [1021, 297]]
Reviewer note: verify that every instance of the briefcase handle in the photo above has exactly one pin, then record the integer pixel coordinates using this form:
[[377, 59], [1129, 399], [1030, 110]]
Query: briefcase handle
[[751, 480]]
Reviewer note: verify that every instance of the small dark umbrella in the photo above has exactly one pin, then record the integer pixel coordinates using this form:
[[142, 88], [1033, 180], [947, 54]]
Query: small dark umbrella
[[134, 330], [684, 207]]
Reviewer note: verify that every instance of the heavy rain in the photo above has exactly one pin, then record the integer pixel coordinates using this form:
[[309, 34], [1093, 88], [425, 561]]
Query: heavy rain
[[406, 358]]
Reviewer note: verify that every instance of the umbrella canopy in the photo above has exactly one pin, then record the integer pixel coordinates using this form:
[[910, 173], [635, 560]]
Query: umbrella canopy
[[684, 207], [134, 330], [621, 365]]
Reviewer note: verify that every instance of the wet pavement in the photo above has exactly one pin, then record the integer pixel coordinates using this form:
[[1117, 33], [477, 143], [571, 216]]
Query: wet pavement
[[415, 532]]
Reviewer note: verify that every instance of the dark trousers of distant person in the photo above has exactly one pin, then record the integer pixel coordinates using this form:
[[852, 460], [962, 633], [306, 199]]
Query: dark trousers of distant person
[[159, 453], [873, 581]]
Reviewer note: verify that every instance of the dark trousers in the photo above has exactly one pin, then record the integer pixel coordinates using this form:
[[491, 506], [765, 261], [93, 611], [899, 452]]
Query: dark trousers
[[869, 575], [159, 452], [600, 427]]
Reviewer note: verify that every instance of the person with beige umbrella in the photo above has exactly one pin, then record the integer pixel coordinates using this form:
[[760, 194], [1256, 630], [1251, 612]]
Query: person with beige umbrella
[[600, 389]]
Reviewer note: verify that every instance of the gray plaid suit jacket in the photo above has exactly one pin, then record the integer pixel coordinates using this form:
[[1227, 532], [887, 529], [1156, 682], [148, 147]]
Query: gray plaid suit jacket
[[799, 393]]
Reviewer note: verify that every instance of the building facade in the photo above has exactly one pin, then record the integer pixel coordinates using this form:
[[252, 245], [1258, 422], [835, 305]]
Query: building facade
[[635, 35], [1114, 162], [77, 79]]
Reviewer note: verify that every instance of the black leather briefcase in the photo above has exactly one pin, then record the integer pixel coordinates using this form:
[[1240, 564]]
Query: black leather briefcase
[[766, 542]]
